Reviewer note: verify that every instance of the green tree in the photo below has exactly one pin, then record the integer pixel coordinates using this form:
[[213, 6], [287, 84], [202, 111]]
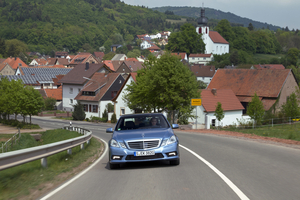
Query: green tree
[[104, 116], [110, 107], [32, 102], [291, 107], [250, 27], [292, 56], [108, 56], [165, 84], [225, 29], [219, 112], [14, 47], [78, 113], [113, 118], [186, 40], [49, 103], [255, 109]]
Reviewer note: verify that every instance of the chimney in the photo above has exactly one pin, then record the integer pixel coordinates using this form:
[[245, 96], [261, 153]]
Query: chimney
[[214, 91], [87, 66], [15, 58]]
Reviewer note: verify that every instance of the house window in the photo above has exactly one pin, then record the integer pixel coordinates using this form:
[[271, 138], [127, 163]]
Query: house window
[[71, 90], [193, 58], [85, 107], [213, 122], [122, 111], [95, 108], [71, 101], [204, 58]]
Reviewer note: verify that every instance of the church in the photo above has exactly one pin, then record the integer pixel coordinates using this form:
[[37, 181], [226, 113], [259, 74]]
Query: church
[[214, 42]]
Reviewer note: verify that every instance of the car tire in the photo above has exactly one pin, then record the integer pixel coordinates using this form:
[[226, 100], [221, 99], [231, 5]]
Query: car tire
[[175, 162], [114, 166]]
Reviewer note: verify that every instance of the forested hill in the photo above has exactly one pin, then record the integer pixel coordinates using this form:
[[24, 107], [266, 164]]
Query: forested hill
[[46, 25], [194, 12]]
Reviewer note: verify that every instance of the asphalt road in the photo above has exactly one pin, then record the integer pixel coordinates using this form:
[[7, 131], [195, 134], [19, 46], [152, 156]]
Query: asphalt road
[[220, 168]]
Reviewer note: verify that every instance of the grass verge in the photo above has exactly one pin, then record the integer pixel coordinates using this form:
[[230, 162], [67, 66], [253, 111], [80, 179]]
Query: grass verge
[[283, 131], [31, 180]]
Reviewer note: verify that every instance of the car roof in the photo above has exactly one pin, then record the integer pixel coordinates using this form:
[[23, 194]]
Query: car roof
[[142, 115]]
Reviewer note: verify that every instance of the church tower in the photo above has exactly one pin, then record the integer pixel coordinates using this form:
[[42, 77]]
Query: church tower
[[202, 27]]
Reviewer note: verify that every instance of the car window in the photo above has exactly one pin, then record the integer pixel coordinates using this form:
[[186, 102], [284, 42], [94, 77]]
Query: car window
[[141, 122]]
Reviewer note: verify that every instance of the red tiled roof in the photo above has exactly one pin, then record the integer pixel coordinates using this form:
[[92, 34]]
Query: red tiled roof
[[109, 64], [203, 70], [62, 61], [270, 66], [51, 61], [245, 82], [133, 65], [217, 38], [15, 62], [41, 61], [99, 55], [200, 55], [225, 96], [54, 93], [131, 59], [181, 55], [80, 58], [2, 60], [154, 47]]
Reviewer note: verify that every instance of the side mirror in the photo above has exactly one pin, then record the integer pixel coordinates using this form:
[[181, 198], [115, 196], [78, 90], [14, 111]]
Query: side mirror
[[109, 130], [175, 126]]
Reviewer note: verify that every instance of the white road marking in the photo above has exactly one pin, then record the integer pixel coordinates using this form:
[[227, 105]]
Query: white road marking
[[79, 175], [222, 176]]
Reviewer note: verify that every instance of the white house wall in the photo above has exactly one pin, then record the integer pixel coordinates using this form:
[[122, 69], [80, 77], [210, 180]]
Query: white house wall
[[206, 80], [120, 103], [67, 96]]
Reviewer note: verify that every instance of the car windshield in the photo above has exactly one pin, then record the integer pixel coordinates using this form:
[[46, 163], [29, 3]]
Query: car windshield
[[141, 122]]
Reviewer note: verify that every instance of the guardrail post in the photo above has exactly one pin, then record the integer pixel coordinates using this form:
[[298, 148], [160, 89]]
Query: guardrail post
[[88, 142], [44, 162], [69, 151], [82, 146]]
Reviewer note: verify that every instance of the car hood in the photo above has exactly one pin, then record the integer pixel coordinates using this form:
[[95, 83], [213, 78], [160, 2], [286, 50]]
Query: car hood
[[138, 134]]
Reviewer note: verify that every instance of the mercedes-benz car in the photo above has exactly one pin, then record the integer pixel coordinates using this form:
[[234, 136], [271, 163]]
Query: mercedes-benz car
[[141, 138]]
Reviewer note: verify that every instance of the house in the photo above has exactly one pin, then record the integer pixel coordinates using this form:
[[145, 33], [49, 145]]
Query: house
[[141, 36], [99, 56], [154, 48], [76, 79], [203, 73], [273, 86], [182, 56], [15, 62], [232, 108], [61, 54], [163, 42], [214, 42], [119, 57], [98, 92], [114, 47], [82, 58], [38, 61], [55, 94], [120, 106], [62, 61], [200, 58], [146, 44], [5, 69], [129, 67], [268, 66], [41, 77]]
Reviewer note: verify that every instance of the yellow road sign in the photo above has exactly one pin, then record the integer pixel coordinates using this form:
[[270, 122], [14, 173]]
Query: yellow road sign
[[196, 102]]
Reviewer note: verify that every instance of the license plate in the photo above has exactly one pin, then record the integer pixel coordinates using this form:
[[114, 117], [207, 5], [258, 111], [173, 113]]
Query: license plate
[[144, 153]]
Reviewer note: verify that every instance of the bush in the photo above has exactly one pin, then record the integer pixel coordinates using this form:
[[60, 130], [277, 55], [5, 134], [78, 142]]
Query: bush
[[50, 103], [78, 113], [113, 118], [104, 116], [110, 107], [95, 119]]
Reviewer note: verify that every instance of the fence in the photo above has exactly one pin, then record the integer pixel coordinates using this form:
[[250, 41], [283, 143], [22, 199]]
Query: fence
[[10, 143], [14, 158]]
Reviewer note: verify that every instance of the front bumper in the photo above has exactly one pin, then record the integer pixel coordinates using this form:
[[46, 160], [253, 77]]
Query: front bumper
[[121, 155]]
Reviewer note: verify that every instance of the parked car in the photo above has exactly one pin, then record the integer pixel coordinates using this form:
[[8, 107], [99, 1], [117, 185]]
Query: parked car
[[141, 138]]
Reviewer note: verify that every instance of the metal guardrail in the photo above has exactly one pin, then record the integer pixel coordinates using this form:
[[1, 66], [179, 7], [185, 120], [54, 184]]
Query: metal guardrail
[[14, 158]]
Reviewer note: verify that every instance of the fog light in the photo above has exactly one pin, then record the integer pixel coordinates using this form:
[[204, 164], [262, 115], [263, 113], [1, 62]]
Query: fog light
[[116, 157], [172, 154]]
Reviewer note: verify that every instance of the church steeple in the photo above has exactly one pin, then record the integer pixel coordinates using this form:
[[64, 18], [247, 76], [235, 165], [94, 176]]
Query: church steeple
[[202, 20], [202, 27]]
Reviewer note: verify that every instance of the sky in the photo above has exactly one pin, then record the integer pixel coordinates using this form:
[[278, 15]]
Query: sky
[[276, 12]]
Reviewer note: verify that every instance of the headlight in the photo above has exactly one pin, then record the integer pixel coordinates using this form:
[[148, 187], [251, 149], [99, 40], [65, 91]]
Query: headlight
[[123, 145], [171, 140], [114, 143]]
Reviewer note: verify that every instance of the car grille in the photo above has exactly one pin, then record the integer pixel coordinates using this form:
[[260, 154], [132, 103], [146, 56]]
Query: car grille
[[143, 144], [131, 157]]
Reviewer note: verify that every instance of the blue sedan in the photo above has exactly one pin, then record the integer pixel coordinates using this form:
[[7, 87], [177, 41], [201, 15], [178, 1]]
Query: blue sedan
[[141, 138]]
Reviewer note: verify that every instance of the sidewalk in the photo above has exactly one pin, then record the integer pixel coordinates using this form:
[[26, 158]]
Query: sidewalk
[[5, 129]]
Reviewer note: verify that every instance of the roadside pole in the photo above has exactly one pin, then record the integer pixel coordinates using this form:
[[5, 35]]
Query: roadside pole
[[196, 103]]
